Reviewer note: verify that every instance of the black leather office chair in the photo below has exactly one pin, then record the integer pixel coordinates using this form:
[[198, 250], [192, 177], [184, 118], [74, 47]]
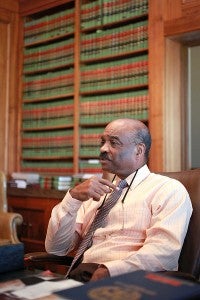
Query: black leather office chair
[[189, 261]]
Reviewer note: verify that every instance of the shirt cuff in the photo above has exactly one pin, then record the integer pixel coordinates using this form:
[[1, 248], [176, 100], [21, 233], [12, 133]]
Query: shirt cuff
[[119, 267], [70, 204]]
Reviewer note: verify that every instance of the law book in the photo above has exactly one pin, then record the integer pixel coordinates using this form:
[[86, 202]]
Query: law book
[[136, 285]]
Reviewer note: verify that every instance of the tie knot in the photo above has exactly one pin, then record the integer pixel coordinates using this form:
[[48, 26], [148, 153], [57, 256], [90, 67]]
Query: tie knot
[[122, 184]]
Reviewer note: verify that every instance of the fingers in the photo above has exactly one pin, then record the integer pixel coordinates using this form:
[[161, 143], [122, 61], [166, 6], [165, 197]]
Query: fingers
[[94, 187], [107, 184], [100, 187]]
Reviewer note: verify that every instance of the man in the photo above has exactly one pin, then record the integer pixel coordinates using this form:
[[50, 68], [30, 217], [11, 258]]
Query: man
[[146, 227]]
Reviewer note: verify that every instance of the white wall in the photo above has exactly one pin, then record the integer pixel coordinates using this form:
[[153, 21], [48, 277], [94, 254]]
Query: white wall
[[194, 106]]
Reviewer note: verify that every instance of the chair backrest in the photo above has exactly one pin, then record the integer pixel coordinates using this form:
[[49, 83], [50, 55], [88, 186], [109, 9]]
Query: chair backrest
[[189, 261], [3, 196]]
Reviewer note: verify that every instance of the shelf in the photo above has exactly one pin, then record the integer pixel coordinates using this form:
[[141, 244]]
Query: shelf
[[52, 39], [89, 125], [50, 98], [115, 56], [47, 158], [35, 192], [115, 90], [49, 69], [115, 24], [48, 128]]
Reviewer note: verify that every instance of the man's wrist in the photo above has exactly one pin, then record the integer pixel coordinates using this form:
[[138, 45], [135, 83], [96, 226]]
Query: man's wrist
[[102, 266]]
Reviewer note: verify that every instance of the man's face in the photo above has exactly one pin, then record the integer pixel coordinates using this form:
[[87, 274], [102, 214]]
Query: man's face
[[118, 151]]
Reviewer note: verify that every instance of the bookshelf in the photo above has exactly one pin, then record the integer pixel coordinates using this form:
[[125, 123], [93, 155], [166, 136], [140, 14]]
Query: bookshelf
[[113, 69], [48, 91], [85, 63]]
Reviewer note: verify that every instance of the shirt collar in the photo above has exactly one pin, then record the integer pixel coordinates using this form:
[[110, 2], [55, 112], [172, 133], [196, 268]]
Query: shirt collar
[[142, 173]]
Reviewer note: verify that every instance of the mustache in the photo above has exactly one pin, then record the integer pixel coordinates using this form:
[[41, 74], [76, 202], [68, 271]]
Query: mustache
[[104, 156]]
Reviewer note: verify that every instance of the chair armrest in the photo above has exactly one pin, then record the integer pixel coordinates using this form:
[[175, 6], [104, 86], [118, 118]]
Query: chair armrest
[[8, 226], [180, 275], [44, 257]]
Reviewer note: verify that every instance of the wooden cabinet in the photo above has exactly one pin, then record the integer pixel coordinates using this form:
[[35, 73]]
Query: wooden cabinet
[[35, 206]]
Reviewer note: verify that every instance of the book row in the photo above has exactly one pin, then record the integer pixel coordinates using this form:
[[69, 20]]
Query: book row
[[48, 26], [100, 70], [86, 166], [49, 56], [132, 100], [45, 110], [88, 105], [60, 138], [56, 182], [102, 77], [95, 118], [97, 112], [115, 76], [47, 139], [107, 117], [90, 166], [123, 39], [89, 151], [47, 166], [92, 14], [30, 124], [49, 80], [99, 13], [58, 152], [54, 92]]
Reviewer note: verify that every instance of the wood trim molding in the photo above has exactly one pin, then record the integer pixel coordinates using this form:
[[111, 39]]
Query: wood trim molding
[[31, 7]]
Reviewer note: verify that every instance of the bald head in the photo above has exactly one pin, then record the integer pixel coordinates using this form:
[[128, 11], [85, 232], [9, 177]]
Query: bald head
[[135, 130]]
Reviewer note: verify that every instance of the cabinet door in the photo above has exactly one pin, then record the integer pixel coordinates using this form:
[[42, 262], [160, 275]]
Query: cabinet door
[[33, 226]]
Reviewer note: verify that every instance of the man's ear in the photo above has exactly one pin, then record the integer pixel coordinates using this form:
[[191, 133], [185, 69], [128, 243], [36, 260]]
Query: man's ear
[[140, 149]]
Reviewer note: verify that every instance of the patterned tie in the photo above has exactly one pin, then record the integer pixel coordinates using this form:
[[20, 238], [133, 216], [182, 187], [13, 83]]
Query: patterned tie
[[98, 222]]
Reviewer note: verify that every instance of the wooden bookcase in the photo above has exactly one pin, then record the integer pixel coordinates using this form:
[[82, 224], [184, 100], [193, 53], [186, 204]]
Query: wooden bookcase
[[172, 25], [68, 96], [48, 91]]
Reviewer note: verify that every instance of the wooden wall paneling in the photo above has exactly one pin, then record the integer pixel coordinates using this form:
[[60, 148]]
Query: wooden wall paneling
[[76, 86], [4, 98], [172, 107], [8, 89], [156, 83], [10, 5], [172, 25], [179, 33], [172, 9], [188, 21], [190, 7], [20, 90], [31, 7]]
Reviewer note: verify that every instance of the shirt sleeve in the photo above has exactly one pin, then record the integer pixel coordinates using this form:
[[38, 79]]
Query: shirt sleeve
[[171, 212], [61, 232]]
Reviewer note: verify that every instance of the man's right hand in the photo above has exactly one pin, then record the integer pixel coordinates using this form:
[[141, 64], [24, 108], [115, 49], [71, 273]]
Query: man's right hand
[[94, 187]]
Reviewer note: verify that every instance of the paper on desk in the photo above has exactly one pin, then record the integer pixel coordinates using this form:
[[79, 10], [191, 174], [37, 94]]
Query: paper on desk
[[45, 288], [11, 285]]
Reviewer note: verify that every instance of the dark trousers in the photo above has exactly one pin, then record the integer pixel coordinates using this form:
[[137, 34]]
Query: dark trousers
[[83, 272]]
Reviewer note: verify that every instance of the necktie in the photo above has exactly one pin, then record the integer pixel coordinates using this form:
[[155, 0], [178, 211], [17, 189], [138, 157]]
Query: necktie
[[97, 222]]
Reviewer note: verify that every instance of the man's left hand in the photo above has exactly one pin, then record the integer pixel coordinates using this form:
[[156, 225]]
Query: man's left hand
[[100, 273]]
